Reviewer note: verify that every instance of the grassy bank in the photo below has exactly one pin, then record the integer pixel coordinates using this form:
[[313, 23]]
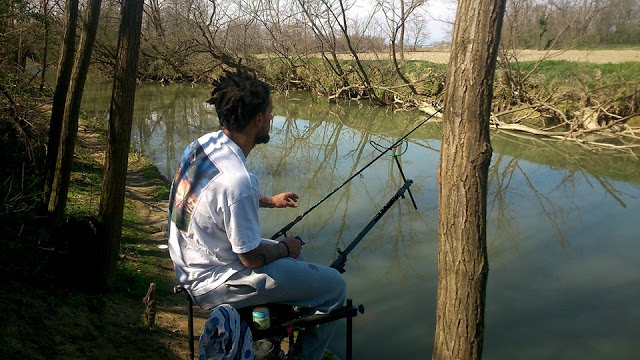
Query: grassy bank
[[47, 314], [569, 86]]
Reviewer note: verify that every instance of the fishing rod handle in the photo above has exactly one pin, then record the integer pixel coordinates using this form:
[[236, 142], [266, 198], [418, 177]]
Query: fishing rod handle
[[284, 230]]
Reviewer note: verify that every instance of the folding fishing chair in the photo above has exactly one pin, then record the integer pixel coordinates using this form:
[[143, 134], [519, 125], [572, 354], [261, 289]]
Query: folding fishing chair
[[285, 319]]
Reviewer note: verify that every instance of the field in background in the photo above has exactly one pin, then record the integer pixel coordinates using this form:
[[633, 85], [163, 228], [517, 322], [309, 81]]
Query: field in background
[[591, 56]]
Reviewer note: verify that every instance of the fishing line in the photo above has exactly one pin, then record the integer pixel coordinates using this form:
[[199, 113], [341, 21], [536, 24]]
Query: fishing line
[[394, 145], [381, 147]]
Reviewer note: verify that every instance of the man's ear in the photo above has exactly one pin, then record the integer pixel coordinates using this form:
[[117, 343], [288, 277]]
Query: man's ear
[[258, 119]]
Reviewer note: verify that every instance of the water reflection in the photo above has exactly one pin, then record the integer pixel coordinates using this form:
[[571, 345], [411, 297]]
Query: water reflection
[[563, 239]]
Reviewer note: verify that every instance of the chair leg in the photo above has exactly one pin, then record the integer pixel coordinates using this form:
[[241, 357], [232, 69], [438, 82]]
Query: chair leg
[[190, 311], [180, 289], [349, 331]]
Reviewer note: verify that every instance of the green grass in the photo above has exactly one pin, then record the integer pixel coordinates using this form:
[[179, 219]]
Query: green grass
[[588, 74], [416, 66]]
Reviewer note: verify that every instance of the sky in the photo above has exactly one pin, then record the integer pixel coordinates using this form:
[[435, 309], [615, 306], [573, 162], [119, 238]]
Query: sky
[[441, 14]]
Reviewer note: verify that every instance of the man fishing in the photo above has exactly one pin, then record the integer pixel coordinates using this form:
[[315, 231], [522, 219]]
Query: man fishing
[[214, 230]]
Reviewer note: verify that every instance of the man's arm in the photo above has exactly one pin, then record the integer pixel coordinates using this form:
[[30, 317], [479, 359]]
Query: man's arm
[[286, 199], [266, 253]]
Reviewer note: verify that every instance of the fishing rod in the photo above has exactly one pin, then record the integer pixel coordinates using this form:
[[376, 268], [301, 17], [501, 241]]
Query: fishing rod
[[287, 227], [339, 263]]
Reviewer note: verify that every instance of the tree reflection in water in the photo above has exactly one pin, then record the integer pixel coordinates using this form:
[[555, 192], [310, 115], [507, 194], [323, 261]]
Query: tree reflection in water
[[541, 192], [316, 146]]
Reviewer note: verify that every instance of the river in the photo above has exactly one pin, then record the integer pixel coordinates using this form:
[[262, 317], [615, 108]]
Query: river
[[562, 226]]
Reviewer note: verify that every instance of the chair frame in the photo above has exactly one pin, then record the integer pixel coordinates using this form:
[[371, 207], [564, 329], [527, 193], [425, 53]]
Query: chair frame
[[283, 327]]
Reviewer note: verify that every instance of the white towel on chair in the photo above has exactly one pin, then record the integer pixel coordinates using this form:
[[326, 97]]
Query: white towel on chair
[[225, 336]]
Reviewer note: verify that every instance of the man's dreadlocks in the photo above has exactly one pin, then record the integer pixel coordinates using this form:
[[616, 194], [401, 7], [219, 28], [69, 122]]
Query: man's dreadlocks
[[238, 97]]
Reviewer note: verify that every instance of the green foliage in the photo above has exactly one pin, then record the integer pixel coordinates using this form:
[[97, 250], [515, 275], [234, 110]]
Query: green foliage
[[588, 74], [380, 93]]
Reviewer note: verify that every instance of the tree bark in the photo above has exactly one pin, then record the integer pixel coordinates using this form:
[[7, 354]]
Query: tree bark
[[119, 138], [403, 18], [464, 162], [65, 68], [69, 130], [45, 51]]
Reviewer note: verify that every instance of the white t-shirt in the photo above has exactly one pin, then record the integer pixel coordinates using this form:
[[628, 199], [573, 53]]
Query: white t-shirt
[[213, 213]]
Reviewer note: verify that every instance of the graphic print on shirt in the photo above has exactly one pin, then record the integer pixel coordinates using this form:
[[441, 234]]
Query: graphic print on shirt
[[196, 170]]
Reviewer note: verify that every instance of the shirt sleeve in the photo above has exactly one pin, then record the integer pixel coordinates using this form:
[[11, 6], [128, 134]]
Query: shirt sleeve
[[243, 225]]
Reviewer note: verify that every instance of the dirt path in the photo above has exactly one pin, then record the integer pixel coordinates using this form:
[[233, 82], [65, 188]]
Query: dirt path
[[172, 310], [171, 317]]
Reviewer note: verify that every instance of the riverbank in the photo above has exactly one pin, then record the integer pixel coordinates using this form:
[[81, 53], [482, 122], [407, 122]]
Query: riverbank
[[50, 308], [47, 315]]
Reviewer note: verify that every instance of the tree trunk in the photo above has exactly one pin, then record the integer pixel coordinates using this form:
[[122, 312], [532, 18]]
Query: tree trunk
[[69, 131], [403, 21], [45, 52], [65, 68], [118, 141], [396, 66], [464, 161], [19, 54]]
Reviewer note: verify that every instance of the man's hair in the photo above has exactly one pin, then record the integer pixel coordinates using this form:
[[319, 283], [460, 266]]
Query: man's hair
[[238, 97]]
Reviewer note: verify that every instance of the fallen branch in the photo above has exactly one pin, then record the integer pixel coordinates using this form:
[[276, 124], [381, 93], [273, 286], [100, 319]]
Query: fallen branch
[[7, 95], [564, 136]]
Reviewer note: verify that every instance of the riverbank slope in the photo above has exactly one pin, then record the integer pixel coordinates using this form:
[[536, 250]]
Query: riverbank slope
[[48, 315]]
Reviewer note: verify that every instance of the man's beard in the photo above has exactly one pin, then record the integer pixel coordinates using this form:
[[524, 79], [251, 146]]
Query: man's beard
[[262, 139]]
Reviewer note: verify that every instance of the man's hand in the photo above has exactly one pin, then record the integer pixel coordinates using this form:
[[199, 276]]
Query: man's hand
[[267, 252], [283, 200], [293, 245]]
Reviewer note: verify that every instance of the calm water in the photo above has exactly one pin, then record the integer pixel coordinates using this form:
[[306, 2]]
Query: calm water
[[563, 234]]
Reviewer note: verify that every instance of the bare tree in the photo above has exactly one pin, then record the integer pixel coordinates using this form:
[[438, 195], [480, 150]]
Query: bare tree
[[538, 23], [418, 27], [211, 21], [65, 68], [119, 136], [286, 35], [619, 23], [46, 12], [322, 26], [398, 13], [397, 16], [69, 132], [328, 19], [463, 172], [579, 13]]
